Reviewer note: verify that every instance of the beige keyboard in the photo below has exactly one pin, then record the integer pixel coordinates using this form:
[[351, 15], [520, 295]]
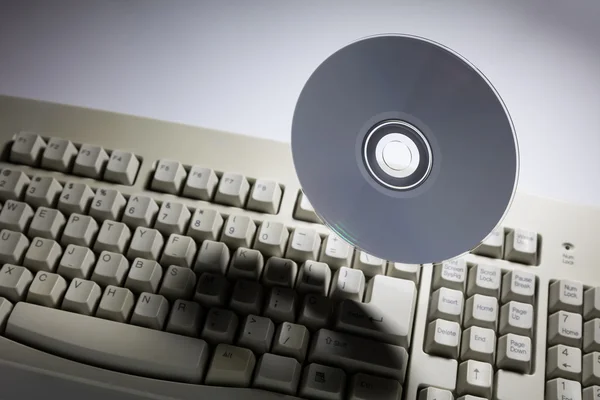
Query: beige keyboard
[[183, 263]]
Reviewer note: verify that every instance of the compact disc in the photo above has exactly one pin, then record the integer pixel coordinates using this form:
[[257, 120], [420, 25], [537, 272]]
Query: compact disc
[[404, 149]]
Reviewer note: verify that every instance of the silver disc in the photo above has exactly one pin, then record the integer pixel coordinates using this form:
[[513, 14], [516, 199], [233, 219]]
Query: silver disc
[[404, 149]]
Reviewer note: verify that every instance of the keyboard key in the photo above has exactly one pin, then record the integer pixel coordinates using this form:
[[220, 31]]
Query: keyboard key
[[47, 289], [47, 223], [379, 317], [314, 277], [201, 183], [233, 190], [565, 328], [518, 286], [316, 311], [82, 297], [140, 211], [75, 198], [475, 378], [231, 366], [212, 290], [59, 155], [591, 336], [257, 334], [515, 353], [172, 218], [336, 252], [42, 255], [43, 191], [410, 272], [567, 296], [90, 162], [150, 311], [111, 269], [14, 282], [185, 318], [113, 237], [591, 303], [481, 311], [446, 304], [122, 168], [27, 148], [220, 327], [168, 177], [564, 362], [281, 305], [206, 224], [516, 318], [178, 358], [591, 369], [431, 393], [116, 304], [450, 274], [363, 386], [212, 257], [146, 243], [322, 382], [304, 211], [443, 338], [12, 184], [144, 276], [80, 230], [5, 310], [280, 272], [76, 262], [13, 246], [478, 344], [247, 298], [178, 283], [272, 238], [278, 374], [16, 216], [369, 265], [107, 204], [246, 264], [493, 245], [521, 247], [265, 197], [291, 340], [238, 231], [484, 279], [348, 284], [303, 245], [591, 393], [563, 389], [180, 251]]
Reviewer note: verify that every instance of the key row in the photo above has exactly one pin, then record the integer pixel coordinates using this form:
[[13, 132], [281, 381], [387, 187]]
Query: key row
[[85, 160], [516, 245], [230, 189], [270, 238], [489, 280]]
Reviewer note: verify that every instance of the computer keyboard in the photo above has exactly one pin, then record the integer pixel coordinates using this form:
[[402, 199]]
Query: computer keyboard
[[186, 263]]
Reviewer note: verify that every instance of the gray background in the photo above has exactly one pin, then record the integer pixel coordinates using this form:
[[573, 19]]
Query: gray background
[[239, 65]]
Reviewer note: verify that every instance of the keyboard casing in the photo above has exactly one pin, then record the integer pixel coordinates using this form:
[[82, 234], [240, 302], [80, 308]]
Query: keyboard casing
[[557, 222]]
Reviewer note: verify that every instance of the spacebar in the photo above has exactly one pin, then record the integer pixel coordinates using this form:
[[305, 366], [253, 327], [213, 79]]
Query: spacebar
[[107, 344]]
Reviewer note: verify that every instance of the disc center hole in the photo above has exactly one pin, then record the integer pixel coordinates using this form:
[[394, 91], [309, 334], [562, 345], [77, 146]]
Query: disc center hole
[[397, 155]]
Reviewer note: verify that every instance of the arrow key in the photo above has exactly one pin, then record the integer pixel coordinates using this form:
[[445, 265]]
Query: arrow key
[[475, 378], [564, 362]]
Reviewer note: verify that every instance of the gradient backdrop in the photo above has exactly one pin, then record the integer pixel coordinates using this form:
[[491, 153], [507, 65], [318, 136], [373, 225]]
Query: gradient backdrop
[[238, 65]]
